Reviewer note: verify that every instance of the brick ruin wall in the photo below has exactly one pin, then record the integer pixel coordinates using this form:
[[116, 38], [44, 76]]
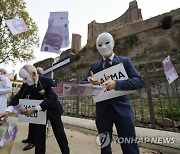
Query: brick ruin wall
[[133, 14], [153, 45], [131, 28]]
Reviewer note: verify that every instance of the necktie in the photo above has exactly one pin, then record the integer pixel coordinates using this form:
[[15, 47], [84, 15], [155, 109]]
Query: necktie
[[34, 85], [106, 63]]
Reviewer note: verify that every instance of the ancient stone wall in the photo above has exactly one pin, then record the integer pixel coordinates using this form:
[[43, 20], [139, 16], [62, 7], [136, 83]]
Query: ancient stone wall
[[76, 43], [146, 41], [132, 14], [137, 26]]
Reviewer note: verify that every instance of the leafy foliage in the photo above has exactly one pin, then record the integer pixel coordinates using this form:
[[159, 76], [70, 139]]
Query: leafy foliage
[[131, 40], [16, 47]]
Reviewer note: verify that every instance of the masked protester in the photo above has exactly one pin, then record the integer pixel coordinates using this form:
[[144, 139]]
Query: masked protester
[[116, 110], [32, 87], [31, 131]]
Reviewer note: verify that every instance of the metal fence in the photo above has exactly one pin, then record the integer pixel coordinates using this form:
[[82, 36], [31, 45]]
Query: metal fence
[[156, 106]]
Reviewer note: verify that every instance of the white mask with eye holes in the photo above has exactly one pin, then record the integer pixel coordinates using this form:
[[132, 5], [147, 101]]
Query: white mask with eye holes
[[27, 78], [105, 44]]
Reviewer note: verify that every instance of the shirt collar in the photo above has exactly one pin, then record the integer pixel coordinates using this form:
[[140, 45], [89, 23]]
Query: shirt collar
[[110, 58]]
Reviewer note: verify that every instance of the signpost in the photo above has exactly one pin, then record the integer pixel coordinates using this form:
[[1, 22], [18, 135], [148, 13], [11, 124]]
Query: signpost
[[58, 65]]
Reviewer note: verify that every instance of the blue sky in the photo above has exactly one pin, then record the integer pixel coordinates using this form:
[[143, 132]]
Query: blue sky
[[82, 12]]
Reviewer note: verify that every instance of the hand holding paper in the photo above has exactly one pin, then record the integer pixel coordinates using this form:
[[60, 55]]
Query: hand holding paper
[[108, 78], [4, 116], [109, 83], [28, 111], [92, 81]]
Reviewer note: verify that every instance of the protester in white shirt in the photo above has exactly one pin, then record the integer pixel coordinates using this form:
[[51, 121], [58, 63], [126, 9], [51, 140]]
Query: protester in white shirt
[[5, 87]]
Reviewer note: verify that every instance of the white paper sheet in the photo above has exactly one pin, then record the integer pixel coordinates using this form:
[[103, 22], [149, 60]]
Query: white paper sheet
[[37, 118], [16, 26], [116, 72]]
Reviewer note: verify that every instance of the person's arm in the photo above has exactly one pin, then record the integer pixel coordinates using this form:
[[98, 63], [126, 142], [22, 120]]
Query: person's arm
[[134, 82], [50, 96], [50, 99], [7, 86], [13, 102]]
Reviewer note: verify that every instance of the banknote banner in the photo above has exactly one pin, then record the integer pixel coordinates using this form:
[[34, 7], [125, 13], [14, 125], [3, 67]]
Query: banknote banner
[[169, 70], [16, 26], [59, 15], [8, 131], [57, 34], [73, 89]]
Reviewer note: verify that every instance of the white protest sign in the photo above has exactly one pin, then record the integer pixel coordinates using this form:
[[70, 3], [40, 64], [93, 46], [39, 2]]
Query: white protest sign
[[37, 118], [116, 72], [16, 26], [169, 70]]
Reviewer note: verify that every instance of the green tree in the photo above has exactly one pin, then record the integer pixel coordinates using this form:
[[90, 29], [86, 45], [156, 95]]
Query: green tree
[[18, 47]]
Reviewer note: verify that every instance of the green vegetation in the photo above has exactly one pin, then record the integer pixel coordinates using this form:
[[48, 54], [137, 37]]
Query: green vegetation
[[19, 47], [165, 110], [76, 58], [131, 40], [94, 49]]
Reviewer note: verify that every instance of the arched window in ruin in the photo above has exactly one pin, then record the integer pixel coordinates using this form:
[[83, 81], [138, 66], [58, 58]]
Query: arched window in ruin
[[166, 22]]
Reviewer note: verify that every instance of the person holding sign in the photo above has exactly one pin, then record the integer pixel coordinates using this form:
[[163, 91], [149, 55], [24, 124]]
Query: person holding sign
[[117, 108], [36, 87], [31, 131]]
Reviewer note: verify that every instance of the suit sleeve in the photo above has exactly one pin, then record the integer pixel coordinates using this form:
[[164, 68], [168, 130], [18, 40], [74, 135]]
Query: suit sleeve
[[50, 97], [15, 100], [134, 82]]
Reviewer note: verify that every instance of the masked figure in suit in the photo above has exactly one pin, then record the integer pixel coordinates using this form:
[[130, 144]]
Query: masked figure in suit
[[39, 88], [116, 110], [31, 131]]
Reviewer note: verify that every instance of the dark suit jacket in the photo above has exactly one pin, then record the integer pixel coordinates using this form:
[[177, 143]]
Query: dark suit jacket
[[50, 99], [122, 103]]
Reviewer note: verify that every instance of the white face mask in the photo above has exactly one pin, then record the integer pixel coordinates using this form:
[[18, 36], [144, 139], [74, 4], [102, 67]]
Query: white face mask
[[27, 78], [105, 44]]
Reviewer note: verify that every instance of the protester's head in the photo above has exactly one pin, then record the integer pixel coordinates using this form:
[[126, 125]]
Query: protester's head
[[3, 71], [105, 44], [29, 74], [40, 70]]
